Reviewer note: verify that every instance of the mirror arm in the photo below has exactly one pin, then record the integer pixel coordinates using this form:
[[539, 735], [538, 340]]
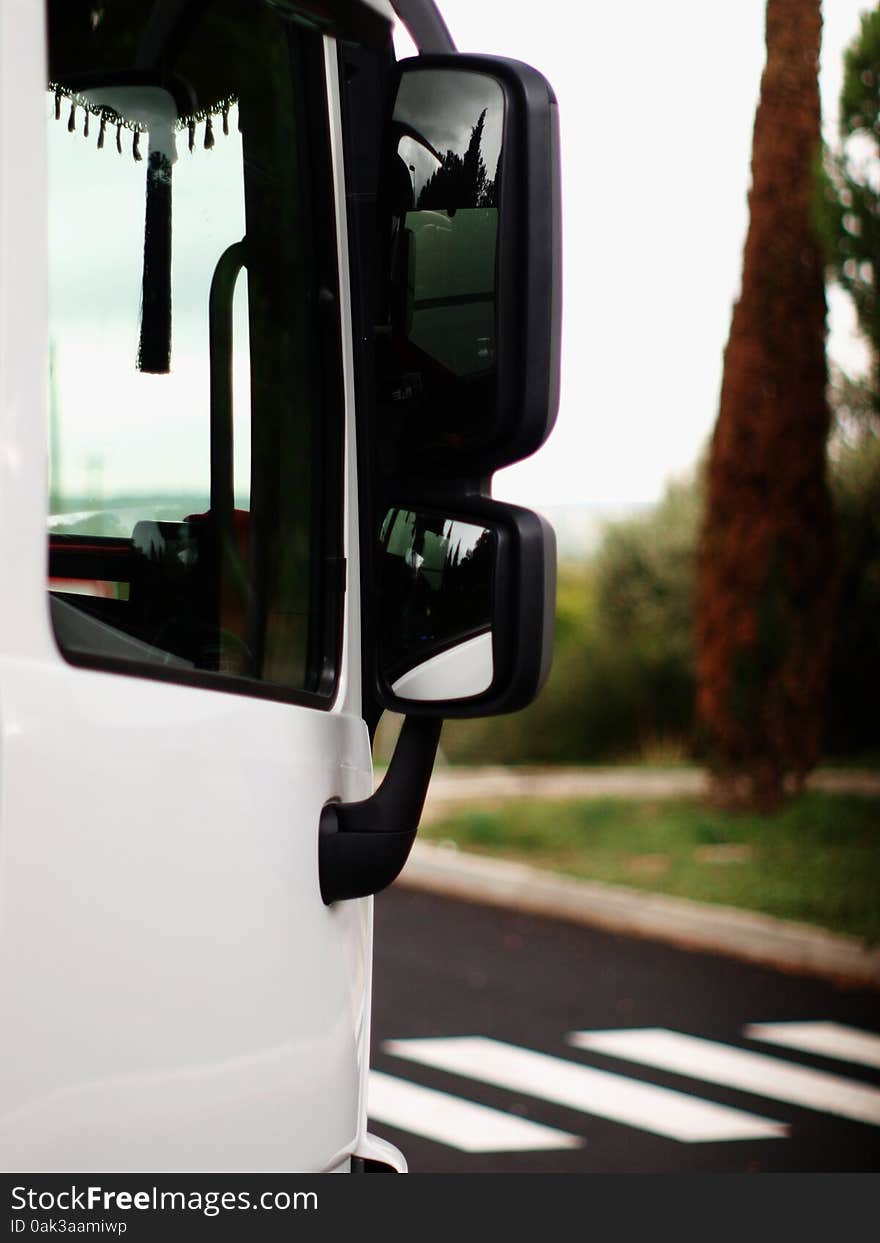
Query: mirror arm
[[363, 846], [422, 19]]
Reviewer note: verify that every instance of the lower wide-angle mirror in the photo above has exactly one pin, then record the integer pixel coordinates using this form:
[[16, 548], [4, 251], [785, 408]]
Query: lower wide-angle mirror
[[465, 608], [436, 591]]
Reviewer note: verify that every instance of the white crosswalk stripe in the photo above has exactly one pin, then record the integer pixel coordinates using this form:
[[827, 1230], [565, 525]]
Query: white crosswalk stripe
[[458, 1123], [848, 1044], [730, 1067], [659, 1110]]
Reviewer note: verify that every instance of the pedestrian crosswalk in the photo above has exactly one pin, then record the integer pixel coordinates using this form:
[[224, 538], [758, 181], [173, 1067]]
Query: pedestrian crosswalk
[[597, 1092], [675, 1113], [755, 1073]]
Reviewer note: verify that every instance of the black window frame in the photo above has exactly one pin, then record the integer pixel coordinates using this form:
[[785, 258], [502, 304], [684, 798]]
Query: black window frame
[[327, 563]]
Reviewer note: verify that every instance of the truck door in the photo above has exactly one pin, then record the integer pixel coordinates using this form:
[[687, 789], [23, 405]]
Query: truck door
[[182, 696]]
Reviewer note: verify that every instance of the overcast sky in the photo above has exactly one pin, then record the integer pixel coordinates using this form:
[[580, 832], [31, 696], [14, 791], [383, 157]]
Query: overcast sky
[[657, 104]]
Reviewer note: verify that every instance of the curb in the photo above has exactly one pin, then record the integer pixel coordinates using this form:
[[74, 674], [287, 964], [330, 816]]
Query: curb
[[450, 786], [777, 943]]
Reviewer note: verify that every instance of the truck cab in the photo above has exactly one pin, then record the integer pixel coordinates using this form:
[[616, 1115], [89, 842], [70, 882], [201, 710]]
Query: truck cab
[[273, 308]]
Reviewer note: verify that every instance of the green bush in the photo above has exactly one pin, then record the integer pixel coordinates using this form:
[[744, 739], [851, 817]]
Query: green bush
[[853, 720], [622, 677], [622, 682]]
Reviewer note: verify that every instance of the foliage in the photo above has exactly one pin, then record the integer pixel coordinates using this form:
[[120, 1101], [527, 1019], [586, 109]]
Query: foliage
[[853, 724], [622, 683], [622, 676], [645, 570], [850, 220], [850, 214], [766, 576]]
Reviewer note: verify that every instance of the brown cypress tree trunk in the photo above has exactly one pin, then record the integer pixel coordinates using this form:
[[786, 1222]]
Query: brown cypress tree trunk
[[767, 556]]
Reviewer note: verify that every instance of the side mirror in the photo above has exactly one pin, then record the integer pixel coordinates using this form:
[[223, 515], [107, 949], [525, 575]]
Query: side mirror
[[469, 371], [465, 608], [467, 362]]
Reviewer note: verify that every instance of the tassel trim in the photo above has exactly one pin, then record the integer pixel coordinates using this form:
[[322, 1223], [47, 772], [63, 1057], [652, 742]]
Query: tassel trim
[[107, 116]]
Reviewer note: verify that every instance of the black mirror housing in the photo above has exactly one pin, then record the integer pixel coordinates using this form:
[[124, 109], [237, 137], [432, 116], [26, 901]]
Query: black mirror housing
[[439, 416]]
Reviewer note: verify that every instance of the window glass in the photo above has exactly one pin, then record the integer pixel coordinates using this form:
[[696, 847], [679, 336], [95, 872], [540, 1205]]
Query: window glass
[[194, 473]]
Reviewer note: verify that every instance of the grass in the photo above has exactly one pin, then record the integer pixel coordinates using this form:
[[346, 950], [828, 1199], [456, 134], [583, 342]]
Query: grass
[[817, 861]]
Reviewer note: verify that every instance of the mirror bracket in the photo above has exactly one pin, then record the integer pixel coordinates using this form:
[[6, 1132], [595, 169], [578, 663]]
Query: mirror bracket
[[427, 28], [363, 846]]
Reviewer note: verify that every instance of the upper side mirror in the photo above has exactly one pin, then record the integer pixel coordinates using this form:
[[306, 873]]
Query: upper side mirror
[[465, 608], [469, 366]]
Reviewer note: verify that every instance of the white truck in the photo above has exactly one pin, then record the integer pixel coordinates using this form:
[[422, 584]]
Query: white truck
[[273, 308]]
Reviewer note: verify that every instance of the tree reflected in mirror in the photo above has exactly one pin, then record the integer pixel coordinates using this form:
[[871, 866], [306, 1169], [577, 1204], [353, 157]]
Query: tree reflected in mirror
[[435, 583]]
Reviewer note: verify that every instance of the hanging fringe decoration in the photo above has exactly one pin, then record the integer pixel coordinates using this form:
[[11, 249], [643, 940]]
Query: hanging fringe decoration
[[154, 344], [108, 116]]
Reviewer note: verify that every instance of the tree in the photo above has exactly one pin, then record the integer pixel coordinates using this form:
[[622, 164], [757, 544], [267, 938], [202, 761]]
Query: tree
[[767, 551], [460, 181], [855, 235]]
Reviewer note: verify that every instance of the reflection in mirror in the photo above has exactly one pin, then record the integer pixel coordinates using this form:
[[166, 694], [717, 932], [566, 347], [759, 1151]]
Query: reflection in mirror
[[435, 583], [444, 187]]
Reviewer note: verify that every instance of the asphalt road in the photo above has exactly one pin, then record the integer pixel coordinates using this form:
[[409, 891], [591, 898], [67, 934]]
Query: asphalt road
[[445, 969]]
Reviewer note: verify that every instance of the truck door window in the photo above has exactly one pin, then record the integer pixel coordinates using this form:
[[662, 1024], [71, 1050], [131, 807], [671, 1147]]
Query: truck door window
[[194, 387]]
